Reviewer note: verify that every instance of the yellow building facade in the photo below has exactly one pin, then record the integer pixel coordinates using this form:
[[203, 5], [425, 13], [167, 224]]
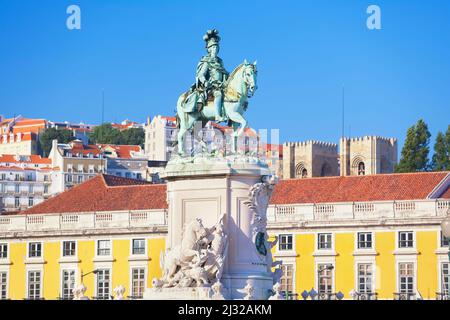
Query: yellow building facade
[[376, 248], [49, 268], [366, 237], [380, 271]]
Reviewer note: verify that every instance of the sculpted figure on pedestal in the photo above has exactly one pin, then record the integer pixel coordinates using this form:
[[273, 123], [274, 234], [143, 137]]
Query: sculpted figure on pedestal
[[259, 197], [198, 261], [218, 291], [277, 292], [258, 201], [119, 292], [249, 291], [216, 95], [79, 291]]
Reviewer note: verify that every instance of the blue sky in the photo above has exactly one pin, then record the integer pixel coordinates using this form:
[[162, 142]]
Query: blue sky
[[143, 54]]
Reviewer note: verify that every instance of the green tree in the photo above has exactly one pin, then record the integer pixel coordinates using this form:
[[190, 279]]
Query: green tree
[[415, 150], [49, 134], [133, 136], [105, 133], [441, 157]]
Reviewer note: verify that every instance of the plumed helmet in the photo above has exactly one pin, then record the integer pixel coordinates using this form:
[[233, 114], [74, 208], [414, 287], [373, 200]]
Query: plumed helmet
[[211, 38]]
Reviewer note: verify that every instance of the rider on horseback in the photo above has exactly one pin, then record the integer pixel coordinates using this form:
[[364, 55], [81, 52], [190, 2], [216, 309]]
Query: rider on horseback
[[211, 75]]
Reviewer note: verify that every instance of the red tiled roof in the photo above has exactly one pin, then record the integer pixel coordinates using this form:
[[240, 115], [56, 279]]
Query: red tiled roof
[[28, 136], [33, 159], [248, 131], [127, 125], [446, 194], [174, 119], [272, 147], [406, 186], [123, 151], [29, 125], [105, 193], [77, 147]]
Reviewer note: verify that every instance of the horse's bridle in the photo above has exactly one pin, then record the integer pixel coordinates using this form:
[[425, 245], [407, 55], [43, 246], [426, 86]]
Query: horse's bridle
[[250, 93]]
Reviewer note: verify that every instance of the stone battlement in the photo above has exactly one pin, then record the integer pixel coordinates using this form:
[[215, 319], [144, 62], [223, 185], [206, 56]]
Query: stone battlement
[[311, 143], [368, 138]]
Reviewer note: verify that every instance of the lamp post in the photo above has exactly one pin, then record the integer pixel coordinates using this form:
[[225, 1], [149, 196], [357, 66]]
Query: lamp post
[[445, 226], [95, 271], [319, 271]]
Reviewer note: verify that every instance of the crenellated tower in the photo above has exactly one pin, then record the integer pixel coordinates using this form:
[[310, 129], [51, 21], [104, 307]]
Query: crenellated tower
[[367, 155], [309, 159]]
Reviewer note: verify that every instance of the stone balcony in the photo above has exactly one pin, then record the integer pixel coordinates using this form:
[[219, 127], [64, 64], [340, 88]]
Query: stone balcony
[[375, 211], [83, 222]]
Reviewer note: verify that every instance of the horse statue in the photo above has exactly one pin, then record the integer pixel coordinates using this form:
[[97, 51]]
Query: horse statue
[[239, 87], [184, 253]]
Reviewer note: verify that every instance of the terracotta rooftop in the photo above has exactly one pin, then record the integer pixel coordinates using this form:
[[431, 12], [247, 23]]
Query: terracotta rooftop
[[273, 147], [24, 136], [112, 193], [122, 151], [446, 194], [31, 159], [77, 147], [105, 193], [249, 132], [405, 186], [29, 125]]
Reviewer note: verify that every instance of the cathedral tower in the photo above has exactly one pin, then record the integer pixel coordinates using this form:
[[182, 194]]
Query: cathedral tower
[[367, 155]]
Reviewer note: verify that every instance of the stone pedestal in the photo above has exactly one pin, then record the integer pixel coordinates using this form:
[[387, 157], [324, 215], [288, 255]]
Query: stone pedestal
[[206, 188]]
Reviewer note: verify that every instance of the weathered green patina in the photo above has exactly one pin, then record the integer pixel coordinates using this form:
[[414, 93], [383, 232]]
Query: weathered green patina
[[216, 95]]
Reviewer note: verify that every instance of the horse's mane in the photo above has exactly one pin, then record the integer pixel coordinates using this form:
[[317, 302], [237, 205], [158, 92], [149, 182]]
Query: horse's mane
[[232, 74], [183, 229]]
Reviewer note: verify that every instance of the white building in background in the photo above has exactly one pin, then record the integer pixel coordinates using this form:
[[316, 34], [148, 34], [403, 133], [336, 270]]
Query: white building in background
[[161, 134], [126, 161], [24, 181], [75, 163]]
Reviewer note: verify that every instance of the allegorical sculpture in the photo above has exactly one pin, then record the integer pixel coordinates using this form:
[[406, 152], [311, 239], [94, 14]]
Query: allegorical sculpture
[[276, 292], [119, 292], [198, 261], [79, 291], [259, 197], [216, 95], [248, 291]]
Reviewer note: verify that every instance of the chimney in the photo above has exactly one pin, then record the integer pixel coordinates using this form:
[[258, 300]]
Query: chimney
[[54, 144]]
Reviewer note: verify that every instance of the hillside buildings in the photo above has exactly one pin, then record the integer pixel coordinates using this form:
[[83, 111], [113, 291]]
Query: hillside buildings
[[24, 181], [161, 136], [125, 161], [76, 163], [20, 135]]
